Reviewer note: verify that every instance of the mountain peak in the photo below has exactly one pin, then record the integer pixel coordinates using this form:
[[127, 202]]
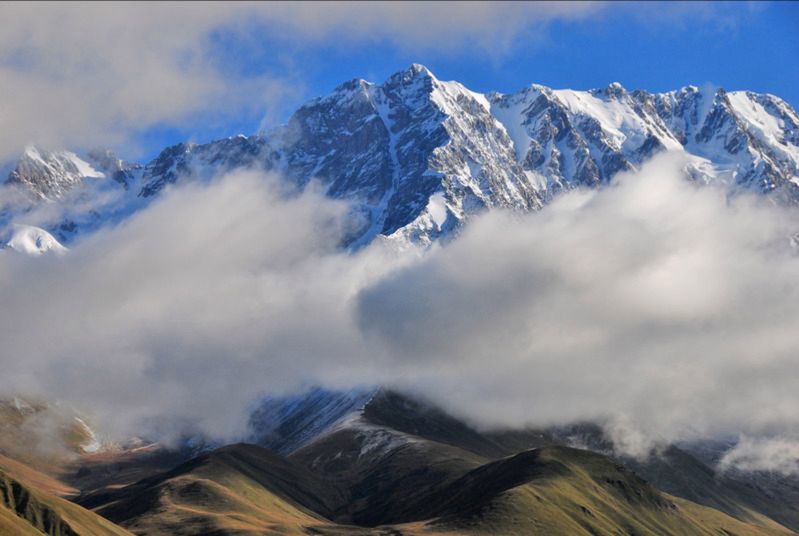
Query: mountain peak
[[614, 90], [355, 84], [415, 73], [419, 69]]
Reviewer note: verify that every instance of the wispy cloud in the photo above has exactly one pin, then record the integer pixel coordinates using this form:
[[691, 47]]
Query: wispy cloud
[[415, 26]]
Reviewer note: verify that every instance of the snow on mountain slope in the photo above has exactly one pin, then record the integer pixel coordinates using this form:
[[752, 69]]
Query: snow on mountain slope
[[751, 139], [285, 424], [417, 156], [773, 127], [580, 138], [31, 240], [326, 424], [374, 421]]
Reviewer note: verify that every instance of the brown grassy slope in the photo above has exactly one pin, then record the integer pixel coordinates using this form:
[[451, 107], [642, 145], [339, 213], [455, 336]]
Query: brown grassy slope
[[240, 489], [567, 491], [245, 490], [27, 495], [13, 525]]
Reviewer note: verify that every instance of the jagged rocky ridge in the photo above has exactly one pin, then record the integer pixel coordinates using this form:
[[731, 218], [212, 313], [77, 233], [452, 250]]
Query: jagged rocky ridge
[[417, 156]]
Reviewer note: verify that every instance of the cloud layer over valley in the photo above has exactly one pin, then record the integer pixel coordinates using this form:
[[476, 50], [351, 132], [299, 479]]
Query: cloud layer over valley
[[663, 309]]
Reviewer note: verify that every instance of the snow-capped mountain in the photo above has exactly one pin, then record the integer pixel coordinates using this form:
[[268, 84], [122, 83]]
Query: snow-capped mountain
[[50, 175], [421, 154], [417, 156]]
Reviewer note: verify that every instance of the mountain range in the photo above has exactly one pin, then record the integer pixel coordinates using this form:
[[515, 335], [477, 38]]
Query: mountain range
[[416, 156]]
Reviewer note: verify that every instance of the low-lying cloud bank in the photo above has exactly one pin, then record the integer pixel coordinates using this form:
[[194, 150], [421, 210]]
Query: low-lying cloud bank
[[189, 309], [664, 309]]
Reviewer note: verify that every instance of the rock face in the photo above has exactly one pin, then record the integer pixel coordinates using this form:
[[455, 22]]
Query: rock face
[[418, 156]]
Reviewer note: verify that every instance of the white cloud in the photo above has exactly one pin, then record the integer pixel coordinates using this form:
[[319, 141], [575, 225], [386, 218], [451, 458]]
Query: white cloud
[[80, 74], [664, 308], [661, 308], [187, 310]]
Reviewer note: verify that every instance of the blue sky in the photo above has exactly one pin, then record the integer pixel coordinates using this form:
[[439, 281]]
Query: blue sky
[[753, 47], [735, 46], [140, 77]]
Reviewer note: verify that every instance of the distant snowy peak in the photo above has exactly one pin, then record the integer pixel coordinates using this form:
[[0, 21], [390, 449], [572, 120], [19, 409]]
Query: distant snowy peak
[[751, 139], [50, 175], [580, 138], [403, 148], [31, 240]]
